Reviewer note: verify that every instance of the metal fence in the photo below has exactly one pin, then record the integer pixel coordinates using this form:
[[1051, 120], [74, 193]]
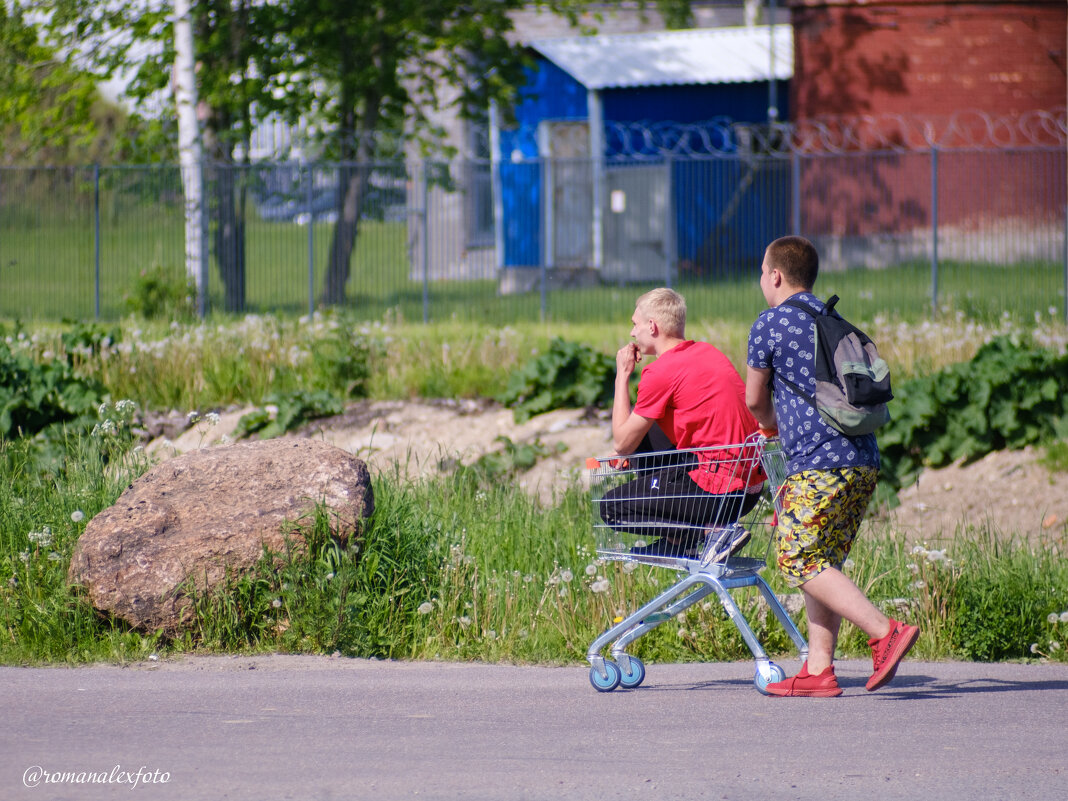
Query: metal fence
[[951, 223]]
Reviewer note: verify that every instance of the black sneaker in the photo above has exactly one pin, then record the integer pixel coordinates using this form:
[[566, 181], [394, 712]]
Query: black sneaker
[[724, 542]]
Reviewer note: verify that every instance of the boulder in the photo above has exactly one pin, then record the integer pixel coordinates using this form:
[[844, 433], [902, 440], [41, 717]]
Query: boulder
[[204, 513]]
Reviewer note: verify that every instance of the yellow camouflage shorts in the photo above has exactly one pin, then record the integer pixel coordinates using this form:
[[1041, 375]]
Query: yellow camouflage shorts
[[821, 512]]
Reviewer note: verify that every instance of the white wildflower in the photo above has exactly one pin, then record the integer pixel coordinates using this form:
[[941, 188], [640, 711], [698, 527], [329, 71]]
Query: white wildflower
[[212, 418], [54, 557], [42, 538]]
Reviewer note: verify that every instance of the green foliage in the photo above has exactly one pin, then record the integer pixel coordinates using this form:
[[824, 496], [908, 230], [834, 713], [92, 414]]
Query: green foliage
[[1001, 605], [162, 294], [1008, 396], [567, 375], [35, 395], [294, 409]]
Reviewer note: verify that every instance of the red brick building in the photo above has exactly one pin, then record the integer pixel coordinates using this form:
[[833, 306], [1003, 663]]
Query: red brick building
[[926, 57], [887, 80]]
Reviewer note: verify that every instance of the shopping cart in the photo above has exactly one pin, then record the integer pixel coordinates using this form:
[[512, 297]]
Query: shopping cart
[[643, 513]]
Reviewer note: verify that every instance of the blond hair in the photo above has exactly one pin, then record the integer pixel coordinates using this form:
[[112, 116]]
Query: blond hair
[[666, 307]]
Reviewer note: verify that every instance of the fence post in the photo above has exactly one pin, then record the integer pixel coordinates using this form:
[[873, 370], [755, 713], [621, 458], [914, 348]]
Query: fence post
[[96, 241], [934, 229], [670, 256], [795, 175], [425, 224], [310, 195]]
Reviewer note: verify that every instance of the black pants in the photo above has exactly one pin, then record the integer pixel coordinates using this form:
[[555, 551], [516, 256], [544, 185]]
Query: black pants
[[663, 501]]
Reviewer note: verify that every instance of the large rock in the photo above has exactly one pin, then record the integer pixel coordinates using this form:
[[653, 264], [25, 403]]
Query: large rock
[[205, 512]]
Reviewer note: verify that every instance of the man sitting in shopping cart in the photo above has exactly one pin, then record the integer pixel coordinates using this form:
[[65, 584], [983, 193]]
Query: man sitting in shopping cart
[[683, 439]]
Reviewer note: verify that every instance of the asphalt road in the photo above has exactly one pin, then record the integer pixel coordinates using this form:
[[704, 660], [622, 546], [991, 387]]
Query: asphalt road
[[267, 728]]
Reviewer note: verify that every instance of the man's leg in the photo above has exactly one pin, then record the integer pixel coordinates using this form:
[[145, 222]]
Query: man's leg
[[829, 597]]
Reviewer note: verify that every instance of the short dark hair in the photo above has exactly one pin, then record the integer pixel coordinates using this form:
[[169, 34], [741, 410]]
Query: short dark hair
[[796, 258]]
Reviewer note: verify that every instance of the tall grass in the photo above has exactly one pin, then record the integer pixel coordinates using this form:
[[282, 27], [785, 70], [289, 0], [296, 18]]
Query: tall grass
[[222, 361]]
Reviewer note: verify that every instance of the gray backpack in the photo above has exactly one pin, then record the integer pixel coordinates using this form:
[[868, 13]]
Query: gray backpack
[[852, 380]]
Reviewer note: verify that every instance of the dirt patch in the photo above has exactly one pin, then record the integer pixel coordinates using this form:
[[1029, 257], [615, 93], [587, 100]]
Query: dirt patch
[[1009, 489]]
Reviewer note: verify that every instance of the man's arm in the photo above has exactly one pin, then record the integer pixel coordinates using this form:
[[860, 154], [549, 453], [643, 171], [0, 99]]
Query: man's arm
[[628, 428], [758, 396]]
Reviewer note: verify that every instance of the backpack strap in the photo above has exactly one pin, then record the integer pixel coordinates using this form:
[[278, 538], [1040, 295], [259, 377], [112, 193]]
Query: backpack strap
[[800, 304]]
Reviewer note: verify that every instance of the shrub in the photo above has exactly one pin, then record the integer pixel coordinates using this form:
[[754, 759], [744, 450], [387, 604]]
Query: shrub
[[566, 375]]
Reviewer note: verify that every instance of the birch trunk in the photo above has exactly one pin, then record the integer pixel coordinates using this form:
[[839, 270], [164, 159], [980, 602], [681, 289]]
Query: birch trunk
[[190, 152]]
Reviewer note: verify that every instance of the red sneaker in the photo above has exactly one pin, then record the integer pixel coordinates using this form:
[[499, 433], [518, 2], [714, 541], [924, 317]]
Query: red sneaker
[[804, 684], [887, 652]]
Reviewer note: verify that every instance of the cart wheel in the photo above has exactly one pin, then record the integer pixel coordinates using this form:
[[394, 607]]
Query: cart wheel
[[605, 683], [634, 675], [774, 674]]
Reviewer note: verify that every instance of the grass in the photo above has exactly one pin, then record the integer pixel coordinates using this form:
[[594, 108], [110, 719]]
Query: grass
[[48, 268], [465, 566]]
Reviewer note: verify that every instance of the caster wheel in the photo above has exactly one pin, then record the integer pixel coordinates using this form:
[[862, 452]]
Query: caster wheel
[[633, 674], [774, 674], [609, 680]]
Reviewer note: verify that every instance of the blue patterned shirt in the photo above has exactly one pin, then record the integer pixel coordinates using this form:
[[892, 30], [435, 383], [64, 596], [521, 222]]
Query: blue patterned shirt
[[783, 339]]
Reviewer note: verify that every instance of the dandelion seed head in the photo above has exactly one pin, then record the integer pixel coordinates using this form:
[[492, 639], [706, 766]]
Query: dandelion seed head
[[591, 570], [277, 603], [77, 516], [1052, 617], [425, 608]]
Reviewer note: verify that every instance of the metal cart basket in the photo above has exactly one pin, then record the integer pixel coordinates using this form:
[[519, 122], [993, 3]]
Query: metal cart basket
[[646, 509]]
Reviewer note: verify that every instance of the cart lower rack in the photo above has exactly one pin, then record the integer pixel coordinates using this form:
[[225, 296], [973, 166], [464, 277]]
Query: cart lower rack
[[693, 512]]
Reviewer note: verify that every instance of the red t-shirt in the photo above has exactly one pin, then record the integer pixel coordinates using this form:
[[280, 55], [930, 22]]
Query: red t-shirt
[[698, 399]]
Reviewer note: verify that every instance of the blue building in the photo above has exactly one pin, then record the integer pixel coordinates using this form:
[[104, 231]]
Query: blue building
[[631, 157]]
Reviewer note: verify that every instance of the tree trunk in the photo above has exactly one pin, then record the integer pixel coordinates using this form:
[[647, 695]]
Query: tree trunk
[[190, 151], [230, 236], [354, 179]]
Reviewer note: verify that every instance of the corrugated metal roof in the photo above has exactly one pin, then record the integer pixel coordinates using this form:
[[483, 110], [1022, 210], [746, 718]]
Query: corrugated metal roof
[[696, 56]]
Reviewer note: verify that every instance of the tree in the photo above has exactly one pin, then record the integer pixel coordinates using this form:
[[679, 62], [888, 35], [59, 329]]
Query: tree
[[357, 67], [236, 41], [372, 65], [49, 110]]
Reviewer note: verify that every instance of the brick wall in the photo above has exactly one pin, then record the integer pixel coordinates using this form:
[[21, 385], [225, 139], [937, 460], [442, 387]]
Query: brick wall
[[922, 57]]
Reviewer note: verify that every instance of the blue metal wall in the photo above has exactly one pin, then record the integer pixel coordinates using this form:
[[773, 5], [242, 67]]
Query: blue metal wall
[[719, 200]]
